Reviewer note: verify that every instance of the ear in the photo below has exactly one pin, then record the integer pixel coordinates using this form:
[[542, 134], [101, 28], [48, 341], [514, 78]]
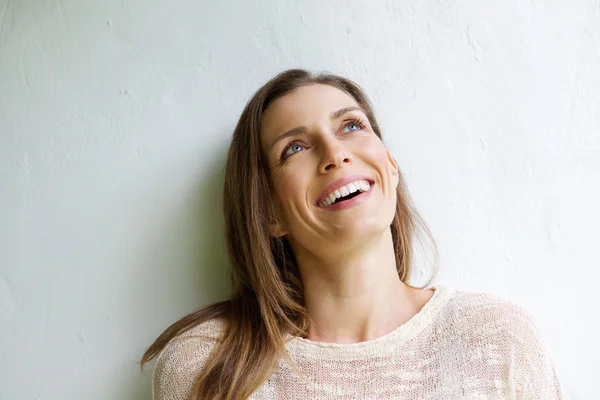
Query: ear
[[394, 168], [276, 229]]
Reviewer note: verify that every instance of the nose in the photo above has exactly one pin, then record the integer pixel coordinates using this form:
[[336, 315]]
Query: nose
[[335, 154]]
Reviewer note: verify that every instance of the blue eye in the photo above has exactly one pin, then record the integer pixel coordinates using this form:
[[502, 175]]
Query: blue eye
[[294, 148], [357, 124]]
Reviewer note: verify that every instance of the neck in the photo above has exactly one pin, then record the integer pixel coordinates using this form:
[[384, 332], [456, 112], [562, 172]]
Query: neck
[[354, 296]]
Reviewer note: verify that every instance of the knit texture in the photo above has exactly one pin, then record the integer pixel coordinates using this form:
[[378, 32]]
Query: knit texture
[[460, 345]]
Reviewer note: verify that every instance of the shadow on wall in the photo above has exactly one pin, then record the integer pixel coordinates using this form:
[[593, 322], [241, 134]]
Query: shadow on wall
[[187, 258]]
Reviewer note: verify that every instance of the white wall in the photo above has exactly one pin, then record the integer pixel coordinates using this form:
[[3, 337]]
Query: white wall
[[114, 121]]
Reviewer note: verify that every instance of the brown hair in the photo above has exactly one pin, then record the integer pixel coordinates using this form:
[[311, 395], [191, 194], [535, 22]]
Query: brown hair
[[267, 300]]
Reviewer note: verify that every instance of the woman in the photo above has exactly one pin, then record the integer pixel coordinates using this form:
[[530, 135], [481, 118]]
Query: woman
[[319, 230]]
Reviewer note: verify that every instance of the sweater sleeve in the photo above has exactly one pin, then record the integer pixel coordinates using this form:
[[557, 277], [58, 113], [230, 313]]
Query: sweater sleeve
[[535, 376], [180, 363]]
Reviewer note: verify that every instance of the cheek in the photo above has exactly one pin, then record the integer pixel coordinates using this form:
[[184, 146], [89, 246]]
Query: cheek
[[374, 151], [290, 187]]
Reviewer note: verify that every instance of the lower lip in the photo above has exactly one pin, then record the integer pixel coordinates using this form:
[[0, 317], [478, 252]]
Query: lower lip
[[350, 203]]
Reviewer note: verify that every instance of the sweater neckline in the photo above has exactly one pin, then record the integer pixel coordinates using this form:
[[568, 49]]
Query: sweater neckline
[[306, 348]]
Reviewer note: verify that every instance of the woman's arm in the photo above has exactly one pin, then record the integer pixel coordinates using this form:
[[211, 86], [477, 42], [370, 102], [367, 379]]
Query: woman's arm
[[535, 376], [179, 365]]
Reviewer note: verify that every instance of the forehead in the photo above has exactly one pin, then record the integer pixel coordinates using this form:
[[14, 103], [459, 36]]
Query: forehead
[[302, 107]]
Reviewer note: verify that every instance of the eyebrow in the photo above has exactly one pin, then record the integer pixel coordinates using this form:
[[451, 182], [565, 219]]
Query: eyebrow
[[302, 129]]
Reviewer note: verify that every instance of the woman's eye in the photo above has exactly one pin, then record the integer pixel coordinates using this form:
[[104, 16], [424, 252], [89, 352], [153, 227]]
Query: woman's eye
[[293, 149], [355, 124]]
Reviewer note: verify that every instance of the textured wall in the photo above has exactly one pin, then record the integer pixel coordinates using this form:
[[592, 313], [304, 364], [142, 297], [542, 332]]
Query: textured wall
[[115, 116]]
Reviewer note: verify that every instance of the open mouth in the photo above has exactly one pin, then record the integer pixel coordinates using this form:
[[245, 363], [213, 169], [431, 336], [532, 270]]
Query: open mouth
[[344, 194], [350, 196]]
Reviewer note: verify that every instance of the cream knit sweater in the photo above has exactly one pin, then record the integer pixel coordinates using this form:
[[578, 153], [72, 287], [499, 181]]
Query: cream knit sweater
[[459, 346]]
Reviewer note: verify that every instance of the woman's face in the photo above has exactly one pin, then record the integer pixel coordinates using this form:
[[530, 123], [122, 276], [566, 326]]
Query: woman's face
[[317, 141]]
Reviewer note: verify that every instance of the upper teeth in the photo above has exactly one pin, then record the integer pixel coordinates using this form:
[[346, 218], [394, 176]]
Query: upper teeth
[[344, 191]]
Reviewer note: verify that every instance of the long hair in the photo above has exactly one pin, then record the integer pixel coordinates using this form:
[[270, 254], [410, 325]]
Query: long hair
[[267, 301]]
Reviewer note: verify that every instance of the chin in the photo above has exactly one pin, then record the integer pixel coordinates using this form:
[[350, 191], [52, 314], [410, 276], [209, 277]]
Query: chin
[[363, 230]]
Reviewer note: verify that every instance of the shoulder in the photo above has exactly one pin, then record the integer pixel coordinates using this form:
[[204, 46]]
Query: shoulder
[[485, 314], [493, 330], [180, 363]]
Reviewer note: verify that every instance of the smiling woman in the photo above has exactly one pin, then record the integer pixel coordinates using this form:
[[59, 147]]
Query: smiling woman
[[319, 231]]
